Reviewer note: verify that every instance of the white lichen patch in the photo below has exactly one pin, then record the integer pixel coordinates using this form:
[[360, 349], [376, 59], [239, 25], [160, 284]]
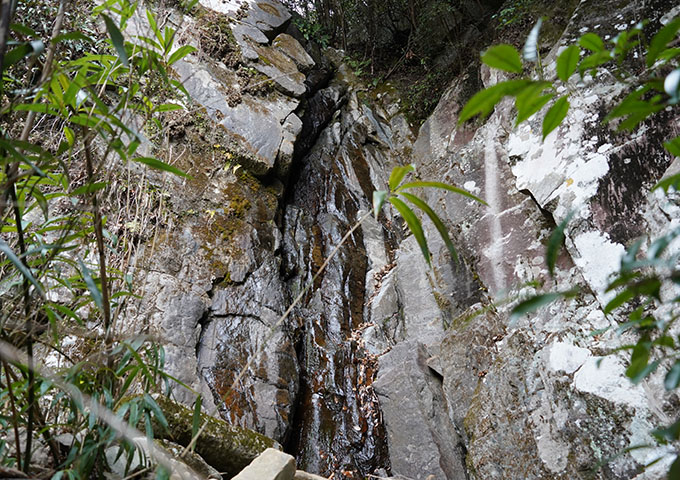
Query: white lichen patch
[[471, 187], [597, 257], [567, 358], [605, 377], [222, 6]]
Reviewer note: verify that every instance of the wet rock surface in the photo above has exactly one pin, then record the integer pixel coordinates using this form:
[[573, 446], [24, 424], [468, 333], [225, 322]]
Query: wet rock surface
[[338, 426]]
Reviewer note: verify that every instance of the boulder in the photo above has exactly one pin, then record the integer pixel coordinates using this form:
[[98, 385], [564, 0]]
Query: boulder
[[268, 16], [269, 465], [302, 475], [293, 50], [281, 69]]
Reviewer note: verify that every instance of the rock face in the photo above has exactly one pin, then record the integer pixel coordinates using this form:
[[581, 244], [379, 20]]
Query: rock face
[[385, 363], [528, 397]]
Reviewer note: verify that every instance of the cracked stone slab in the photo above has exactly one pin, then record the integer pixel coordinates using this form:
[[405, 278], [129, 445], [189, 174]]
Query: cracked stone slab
[[281, 69], [292, 48], [255, 122], [245, 35]]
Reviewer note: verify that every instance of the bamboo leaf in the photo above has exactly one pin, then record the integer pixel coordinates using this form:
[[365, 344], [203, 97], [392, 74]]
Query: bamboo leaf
[[157, 412], [555, 115], [503, 57], [132, 372], [180, 53], [42, 202], [159, 165], [38, 108], [567, 62], [168, 107], [91, 285], [70, 136], [23, 29], [196, 419], [398, 174], [443, 186], [441, 228], [379, 198], [12, 257], [152, 22], [140, 361], [65, 37], [16, 54], [116, 39], [89, 188], [414, 226]]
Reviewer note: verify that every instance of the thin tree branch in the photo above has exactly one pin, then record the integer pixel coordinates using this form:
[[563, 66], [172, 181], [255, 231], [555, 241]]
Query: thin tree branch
[[30, 118]]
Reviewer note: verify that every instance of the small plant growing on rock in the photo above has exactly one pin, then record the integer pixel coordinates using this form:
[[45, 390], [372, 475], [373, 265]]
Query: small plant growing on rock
[[400, 191]]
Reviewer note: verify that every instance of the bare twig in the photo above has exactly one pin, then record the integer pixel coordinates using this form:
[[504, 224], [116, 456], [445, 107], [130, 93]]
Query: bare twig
[[15, 416], [5, 20], [30, 118], [99, 234]]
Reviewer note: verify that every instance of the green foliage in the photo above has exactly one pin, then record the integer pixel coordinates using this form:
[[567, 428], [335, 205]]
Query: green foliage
[[397, 188], [64, 137], [312, 30], [503, 57], [535, 302], [358, 66], [513, 12], [555, 243], [644, 289], [532, 93]]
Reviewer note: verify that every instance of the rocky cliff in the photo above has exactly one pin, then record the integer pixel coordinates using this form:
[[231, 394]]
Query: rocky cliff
[[386, 366]]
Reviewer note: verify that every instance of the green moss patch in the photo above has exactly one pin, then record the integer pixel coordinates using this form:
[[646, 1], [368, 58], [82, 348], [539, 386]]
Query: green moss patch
[[228, 448]]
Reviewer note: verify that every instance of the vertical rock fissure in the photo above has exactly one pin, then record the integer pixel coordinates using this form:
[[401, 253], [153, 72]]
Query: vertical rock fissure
[[337, 426]]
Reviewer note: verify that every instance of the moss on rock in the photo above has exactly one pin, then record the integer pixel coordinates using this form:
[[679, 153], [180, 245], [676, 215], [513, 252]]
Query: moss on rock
[[228, 448]]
